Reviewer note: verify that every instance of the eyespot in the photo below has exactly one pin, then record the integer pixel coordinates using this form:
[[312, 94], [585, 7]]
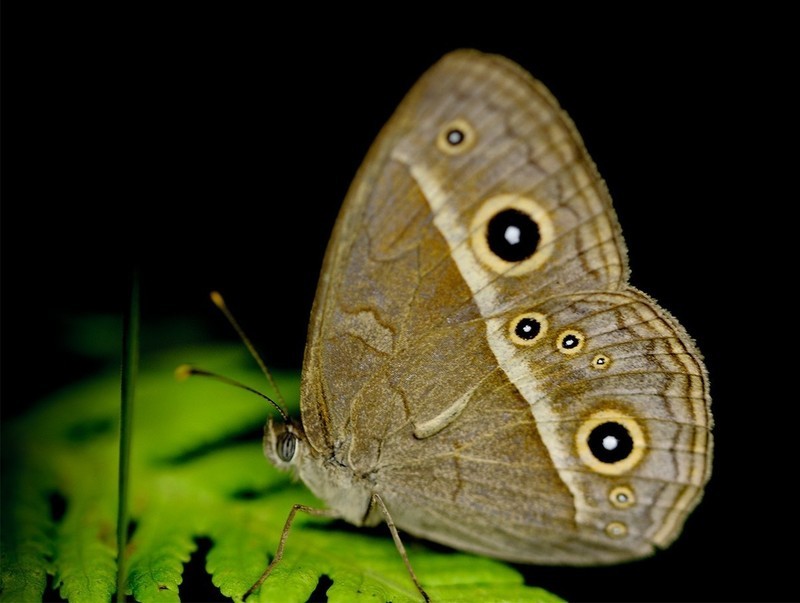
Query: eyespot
[[456, 137], [601, 362], [512, 235], [617, 529], [610, 442], [286, 446], [527, 329], [622, 497], [570, 341]]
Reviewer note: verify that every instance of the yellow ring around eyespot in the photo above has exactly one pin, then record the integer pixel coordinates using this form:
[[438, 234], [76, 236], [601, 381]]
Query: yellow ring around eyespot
[[601, 362], [574, 333], [610, 416], [512, 328], [540, 216], [622, 497], [467, 142], [617, 529]]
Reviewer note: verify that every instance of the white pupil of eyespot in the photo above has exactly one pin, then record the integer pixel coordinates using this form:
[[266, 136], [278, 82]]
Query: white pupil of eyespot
[[622, 498], [610, 442], [512, 235], [527, 328]]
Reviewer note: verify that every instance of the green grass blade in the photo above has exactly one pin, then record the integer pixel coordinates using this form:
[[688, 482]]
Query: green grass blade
[[130, 366]]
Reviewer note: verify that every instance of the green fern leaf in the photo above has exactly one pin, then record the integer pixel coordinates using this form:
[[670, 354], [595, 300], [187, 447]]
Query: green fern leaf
[[193, 477]]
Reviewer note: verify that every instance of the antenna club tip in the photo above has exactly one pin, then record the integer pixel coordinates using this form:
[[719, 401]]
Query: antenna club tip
[[216, 297], [183, 372]]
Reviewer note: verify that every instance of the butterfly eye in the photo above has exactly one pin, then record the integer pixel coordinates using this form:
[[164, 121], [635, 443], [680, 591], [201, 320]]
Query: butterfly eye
[[286, 446], [610, 442], [527, 329], [570, 342], [512, 234], [456, 137]]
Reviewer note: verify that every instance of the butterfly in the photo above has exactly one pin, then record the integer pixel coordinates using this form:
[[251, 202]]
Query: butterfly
[[478, 370]]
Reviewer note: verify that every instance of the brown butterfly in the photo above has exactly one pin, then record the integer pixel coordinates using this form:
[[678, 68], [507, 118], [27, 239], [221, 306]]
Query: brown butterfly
[[478, 370]]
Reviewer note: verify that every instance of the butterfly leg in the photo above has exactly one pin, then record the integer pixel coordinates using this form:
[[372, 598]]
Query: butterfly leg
[[284, 535], [378, 501]]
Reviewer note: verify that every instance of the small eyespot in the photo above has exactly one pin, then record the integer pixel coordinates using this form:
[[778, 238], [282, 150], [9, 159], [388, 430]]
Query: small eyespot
[[622, 497], [610, 442], [286, 446], [527, 329], [570, 342], [512, 235], [456, 137], [617, 529], [601, 362]]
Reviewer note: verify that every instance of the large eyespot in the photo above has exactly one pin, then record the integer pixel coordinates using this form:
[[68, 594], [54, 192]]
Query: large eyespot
[[610, 442], [456, 137], [527, 329], [286, 446], [512, 234], [570, 341]]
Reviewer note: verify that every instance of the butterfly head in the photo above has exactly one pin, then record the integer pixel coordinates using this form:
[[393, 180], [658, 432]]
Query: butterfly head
[[284, 443]]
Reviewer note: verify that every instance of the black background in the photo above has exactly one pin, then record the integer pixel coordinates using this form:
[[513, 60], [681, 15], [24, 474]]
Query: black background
[[214, 151]]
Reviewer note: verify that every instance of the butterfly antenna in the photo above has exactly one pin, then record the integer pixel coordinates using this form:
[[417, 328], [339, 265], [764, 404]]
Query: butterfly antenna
[[185, 371], [220, 303]]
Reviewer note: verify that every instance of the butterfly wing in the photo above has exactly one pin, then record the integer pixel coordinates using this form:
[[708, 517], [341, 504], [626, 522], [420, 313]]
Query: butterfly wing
[[476, 355]]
